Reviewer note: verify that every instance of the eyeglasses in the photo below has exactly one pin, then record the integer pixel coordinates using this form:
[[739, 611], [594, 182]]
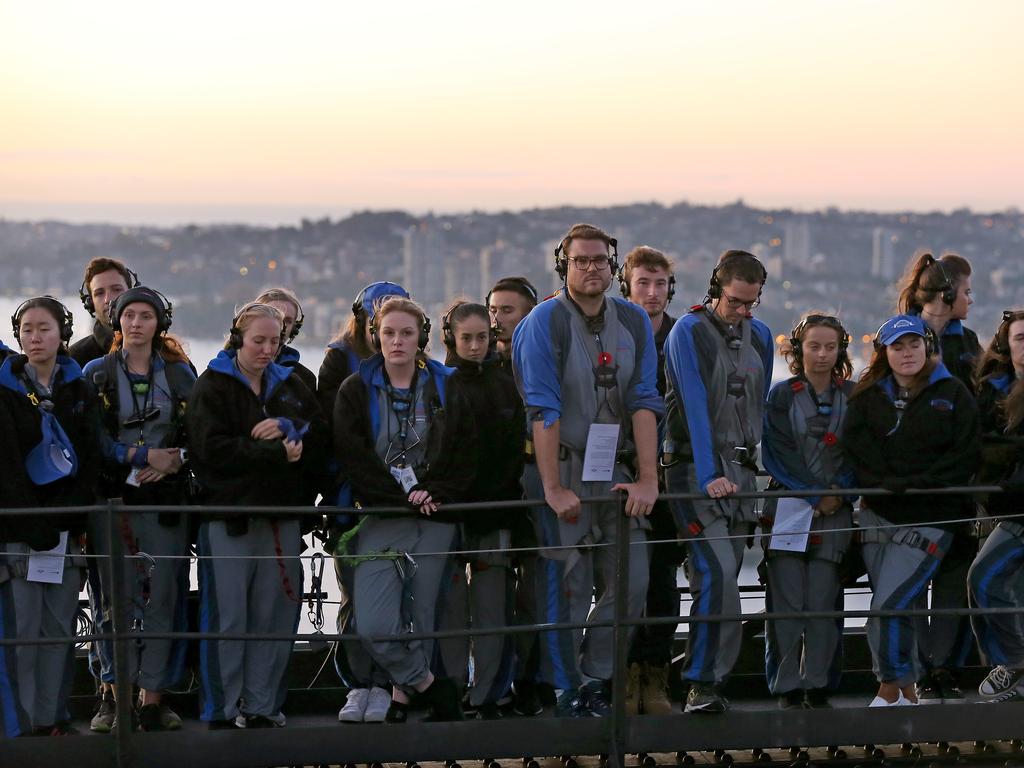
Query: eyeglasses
[[735, 303], [584, 263]]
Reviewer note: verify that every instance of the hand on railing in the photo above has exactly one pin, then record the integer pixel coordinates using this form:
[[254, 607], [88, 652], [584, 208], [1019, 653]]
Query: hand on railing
[[563, 503], [640, 497]]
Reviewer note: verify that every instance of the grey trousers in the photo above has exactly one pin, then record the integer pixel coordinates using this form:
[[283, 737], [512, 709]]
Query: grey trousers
[[997, 581], [35, 680], [353, 663], [157, 664], [238, 594], [800, 651], [390, 603], [899, 572], [483, 601], [566, 586]]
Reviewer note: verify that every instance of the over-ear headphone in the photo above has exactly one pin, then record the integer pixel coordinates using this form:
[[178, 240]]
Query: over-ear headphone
[[715, 283], [1010, 316], [946, 288], [562, 258], [383, 288], [421, 342], [813, 321], [86, 296], [448, 334], [624, 284], [164, 308], [521, 282], [64, 317], [235, 339]]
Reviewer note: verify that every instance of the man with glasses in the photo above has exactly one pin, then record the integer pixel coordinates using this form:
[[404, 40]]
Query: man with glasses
[[585, 366], [719, 364]]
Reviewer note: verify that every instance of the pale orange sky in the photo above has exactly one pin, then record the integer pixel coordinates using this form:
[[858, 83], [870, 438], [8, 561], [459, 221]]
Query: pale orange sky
[[451, 106]]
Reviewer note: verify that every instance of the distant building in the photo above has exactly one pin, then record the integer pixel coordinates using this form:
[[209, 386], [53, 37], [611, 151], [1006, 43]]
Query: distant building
[[883, 254], [797, 244], [423, 266]]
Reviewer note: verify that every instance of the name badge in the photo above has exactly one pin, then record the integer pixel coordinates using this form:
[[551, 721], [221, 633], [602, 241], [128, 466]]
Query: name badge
[[599, 459], [405, 476]]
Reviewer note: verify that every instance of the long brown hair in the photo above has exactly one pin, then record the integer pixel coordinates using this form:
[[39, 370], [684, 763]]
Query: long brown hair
[[168, 346], [995, 361], [353, 334], [927, 278], [878, 368]]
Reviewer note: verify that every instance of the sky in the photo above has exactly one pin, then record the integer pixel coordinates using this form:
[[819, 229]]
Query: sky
[[267, 111]]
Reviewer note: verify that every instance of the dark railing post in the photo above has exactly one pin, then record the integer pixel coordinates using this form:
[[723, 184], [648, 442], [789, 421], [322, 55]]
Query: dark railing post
[[620, 640], [116, 569]]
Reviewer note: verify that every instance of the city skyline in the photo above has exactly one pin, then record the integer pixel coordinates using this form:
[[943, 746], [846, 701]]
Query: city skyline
[[234, 112]]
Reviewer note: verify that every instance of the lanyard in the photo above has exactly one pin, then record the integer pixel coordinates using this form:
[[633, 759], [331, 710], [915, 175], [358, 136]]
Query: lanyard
[[403, 406], [138, 387]]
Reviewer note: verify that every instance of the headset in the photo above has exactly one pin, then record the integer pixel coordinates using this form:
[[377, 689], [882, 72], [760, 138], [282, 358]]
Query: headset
[[235, 333], [1010, 316], [357, 303], [624, 284], [521, 282], [146, 295], [86, 296], [448, 335], [946, 288], [64, 317], [283, 294], [826, 321], [421, 342], [562, 258], [715, 284], [931, 341]]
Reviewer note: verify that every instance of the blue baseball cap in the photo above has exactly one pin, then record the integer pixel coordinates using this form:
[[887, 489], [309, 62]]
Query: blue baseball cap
[[373, 294], [898, 326]]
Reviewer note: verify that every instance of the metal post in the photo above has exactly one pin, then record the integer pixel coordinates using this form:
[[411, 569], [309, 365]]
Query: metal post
[[620, 641], [116, 569]]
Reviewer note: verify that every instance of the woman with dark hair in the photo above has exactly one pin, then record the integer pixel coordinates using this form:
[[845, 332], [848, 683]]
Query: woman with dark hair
[[802, 450], [368, 698], [403, 439], [490, 391], [995, 579], [910, 424], [256, 438], [939, 291], [143, 385], [49, 453]]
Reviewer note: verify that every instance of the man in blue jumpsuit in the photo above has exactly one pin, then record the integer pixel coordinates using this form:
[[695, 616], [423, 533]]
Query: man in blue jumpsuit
[[585, 366]]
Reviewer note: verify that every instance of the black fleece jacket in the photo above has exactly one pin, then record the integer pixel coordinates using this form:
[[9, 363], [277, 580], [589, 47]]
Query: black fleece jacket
[[234, 468], [1002, 452], [336, 367], [95, 345], [936, 444], [451, 453], [490, 392], [20, 432]]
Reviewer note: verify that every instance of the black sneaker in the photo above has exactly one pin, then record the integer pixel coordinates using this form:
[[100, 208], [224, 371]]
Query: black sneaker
[[928, 690], [1002, 684], [526, 700], [817, 698], [254, 722], [488, 711], [103, 717], [445, 701], [704, 698], [571, 704], [791, 699], [948, 684], [149, 718], [397, 714], [595, 699], [221, 725]]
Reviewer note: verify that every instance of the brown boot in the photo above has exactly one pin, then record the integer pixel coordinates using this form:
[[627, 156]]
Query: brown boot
[[655, 690], [633, 690]]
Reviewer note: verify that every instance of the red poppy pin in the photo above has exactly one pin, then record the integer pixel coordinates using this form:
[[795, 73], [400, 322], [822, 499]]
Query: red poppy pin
[[830, 438], [797, 386], [605, 358]]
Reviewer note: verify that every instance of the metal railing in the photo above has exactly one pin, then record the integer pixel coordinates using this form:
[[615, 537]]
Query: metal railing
[[613, 736]]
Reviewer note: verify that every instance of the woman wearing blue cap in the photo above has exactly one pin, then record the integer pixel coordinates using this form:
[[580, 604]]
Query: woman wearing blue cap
[[256, 438], [910, 424], [143, 386], [49, 454]]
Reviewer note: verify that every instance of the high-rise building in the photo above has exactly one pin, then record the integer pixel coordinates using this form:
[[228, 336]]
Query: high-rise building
[[797, 243], [883, 253], [423, 266]]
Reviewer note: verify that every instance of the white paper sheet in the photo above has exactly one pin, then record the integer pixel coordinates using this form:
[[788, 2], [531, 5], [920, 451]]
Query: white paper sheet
[[48, 567], [599, 460], [792, 523]]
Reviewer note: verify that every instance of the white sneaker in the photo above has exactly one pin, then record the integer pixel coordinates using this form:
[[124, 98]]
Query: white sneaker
[[901, 701], [355, 706], [377, 705]]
